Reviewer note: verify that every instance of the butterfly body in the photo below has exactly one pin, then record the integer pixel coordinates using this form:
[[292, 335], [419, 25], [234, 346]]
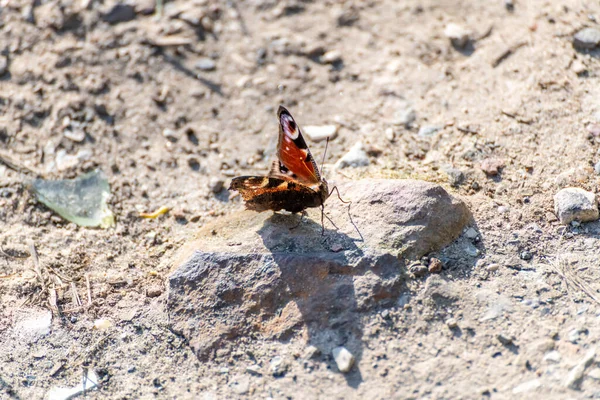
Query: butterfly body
[[294, 182]]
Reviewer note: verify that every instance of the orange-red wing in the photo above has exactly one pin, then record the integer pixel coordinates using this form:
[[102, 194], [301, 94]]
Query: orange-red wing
[[295, 159]]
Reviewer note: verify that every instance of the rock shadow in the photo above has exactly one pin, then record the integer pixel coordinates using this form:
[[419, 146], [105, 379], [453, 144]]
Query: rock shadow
[[330, 289]]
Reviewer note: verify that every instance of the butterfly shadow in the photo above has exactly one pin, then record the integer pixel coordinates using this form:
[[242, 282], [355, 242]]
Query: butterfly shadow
[[319, 274]]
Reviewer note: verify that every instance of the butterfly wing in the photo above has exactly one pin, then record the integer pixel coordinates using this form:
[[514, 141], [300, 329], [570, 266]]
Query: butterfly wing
[[295, 160]]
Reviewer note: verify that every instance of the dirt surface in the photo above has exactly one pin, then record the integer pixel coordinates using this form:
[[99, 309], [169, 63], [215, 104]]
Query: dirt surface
[[172, 103]]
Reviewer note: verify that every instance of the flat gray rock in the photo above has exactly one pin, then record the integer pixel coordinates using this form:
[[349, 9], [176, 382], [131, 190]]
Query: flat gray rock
[[250, 274]]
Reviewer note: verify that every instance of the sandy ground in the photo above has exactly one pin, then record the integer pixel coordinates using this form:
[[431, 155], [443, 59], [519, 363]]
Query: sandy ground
[[172, 103]]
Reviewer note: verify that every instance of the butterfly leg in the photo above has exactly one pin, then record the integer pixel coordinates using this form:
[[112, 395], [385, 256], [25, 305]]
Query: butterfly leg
[[300, 221], [349, 215], [322, 224]]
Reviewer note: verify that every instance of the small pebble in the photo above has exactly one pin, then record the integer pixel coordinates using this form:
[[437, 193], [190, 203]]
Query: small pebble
[[101, 324], [458, 35], [493, 267], [336, 247], [418, 270], [503, 209], [355, 157], [318, 133], [310, 352], [575, 376], [390, 135], [171, 135], [254, 370], [594, 374], [119, 13], [206, 64], [597, 168], [405, 117], [587, 38], [216, 185], [452, 323], [471, 234], [331, 57], [455, 176], [154, 291], [492, 166], [343, 359], [526, 255], [3, 65], [435, 265], [76, 135], [429, 130], [572, 204], [552, 357], [505, 340], [278, 366]]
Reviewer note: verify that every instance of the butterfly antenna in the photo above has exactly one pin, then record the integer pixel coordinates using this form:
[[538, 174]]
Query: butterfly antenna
[[324, 153]]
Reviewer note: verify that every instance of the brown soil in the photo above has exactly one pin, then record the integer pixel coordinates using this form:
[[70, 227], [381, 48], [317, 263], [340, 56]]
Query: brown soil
[[516, 107]]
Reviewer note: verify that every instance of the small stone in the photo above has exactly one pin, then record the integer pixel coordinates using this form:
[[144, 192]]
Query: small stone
[[385, 314], [102, 324], [224, 371], [171, 135], [505, 340], [455, 176], [119, 13], [493, 267], [492, 166], [390, 134], [336, 247], [405, 117], [418, 269], [429, 130], [206, 64], [597, 168], [76, 135], [452, 323], [435, 265], [587, 38], [527, 386], [509, 5], [355, 157], [526, 255], [572, 204], [331, 57], [65, 161], [575, 334], [254, 370], [216, 184], [347, 17], [343, 359], [3, 65], [154, 291], [321, 132], [594, 374], [310, 352], [503, 209], [471, 234], [278, 366], [458, 35], [552, 357], [575, 376]]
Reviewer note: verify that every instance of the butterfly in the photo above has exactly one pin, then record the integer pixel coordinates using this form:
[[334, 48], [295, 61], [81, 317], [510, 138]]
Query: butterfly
[[294, 182]]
